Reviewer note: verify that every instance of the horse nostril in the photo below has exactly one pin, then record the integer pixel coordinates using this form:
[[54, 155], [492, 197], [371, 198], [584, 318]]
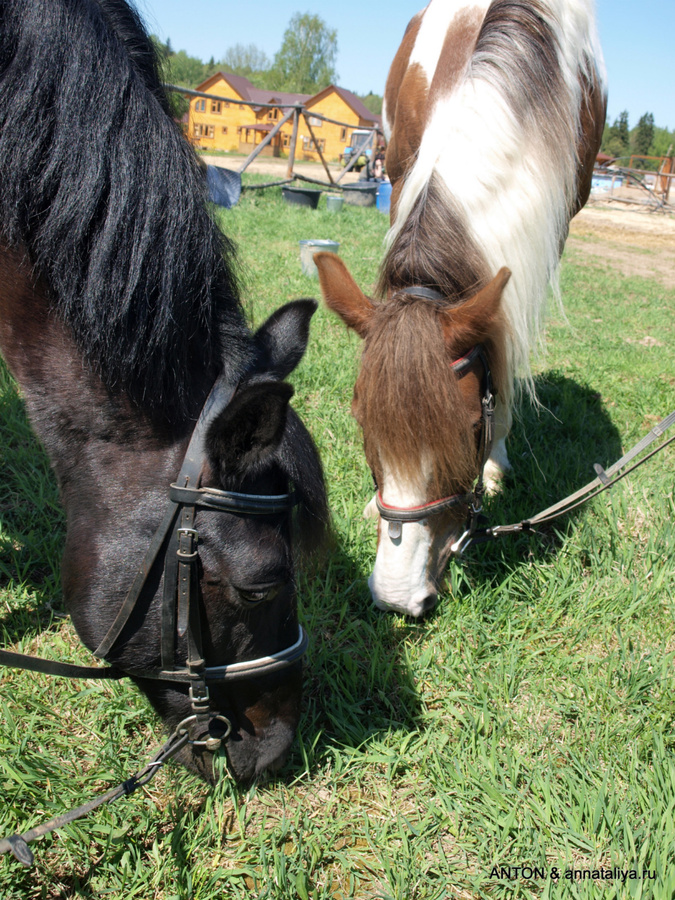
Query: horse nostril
[[428, 603]]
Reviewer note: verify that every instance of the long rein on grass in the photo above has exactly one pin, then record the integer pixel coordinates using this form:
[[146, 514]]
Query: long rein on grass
[[17, 844]]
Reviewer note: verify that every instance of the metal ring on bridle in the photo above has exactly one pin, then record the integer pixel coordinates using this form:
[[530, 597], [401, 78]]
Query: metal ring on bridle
[[211, 743]]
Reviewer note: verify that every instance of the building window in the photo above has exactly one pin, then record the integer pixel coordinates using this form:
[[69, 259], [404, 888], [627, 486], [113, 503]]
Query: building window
[[309, 146], [315, 122], [212, 131], [224, 129], [200, 106], [343, 135], [216, 106]]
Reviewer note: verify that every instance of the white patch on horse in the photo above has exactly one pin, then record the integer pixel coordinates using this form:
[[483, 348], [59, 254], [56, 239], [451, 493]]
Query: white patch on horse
[[400, 581], [514, 184]]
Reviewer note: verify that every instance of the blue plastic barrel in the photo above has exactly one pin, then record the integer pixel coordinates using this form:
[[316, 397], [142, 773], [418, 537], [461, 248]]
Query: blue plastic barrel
[[384, 196]]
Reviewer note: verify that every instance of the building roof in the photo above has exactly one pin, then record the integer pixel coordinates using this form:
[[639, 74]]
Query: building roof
[[351, 100], [243, 87], [247, 91]]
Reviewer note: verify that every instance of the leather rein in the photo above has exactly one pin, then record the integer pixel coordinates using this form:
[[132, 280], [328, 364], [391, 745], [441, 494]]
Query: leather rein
[[178, 539]]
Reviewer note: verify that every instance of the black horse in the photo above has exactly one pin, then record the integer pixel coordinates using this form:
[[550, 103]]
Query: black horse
[[119, 310]]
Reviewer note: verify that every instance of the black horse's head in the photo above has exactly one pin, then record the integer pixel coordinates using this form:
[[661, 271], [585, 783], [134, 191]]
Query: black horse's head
[[258, 506]]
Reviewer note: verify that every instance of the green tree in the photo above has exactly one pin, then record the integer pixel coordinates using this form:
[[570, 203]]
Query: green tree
[[305, 62], [184, 70], [372, 101], [615, 140], [245, 60], [644, 135]]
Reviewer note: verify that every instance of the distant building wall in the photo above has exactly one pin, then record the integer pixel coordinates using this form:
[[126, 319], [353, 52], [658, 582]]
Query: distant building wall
[[233, 126]]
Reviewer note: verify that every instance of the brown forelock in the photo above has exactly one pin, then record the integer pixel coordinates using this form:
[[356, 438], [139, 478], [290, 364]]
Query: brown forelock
[[435, 249], [408, 401], [458, 46], [592, 121]]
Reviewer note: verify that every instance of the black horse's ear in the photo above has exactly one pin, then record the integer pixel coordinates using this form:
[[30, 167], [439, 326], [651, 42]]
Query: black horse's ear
[[282, 340], [244, 436]]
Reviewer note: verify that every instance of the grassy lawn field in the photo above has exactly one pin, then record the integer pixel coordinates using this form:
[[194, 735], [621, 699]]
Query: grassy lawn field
[[518, 742]]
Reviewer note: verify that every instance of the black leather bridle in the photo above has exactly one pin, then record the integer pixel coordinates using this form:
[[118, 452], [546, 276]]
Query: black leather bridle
[[178, 539]]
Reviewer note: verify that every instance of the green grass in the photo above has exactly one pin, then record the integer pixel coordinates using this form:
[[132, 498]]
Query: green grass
[[528, 722]]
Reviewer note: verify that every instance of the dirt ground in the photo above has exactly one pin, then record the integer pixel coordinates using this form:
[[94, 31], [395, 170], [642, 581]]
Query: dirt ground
[[628, 238]]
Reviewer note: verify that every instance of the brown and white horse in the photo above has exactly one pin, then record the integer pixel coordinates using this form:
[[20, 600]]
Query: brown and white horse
[[494, 113]]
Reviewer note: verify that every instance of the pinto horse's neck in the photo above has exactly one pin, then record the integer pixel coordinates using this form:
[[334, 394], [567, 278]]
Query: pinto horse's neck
[[495, 113]]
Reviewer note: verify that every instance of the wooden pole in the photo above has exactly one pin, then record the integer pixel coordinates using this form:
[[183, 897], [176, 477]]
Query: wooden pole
[[294, 141], [354, 157], [261, 146], [318, 149]]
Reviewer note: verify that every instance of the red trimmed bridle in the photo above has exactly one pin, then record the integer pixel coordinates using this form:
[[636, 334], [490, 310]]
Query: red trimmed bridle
[[397, 516]]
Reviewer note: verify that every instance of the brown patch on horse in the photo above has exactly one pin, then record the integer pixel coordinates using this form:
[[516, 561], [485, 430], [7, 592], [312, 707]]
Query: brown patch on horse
[[591, 123], [411, 120], [399, 66], [406, 98], [458, 48]]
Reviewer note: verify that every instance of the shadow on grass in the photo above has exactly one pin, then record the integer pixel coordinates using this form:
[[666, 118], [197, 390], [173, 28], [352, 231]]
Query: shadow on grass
[[32, 522], [552, 451], [357, 683]]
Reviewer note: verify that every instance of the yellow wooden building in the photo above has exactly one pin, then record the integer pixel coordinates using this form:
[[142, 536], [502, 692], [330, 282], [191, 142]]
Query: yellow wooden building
[[232, 125]]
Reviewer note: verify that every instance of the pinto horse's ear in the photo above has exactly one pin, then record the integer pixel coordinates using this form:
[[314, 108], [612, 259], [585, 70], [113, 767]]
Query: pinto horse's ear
[[472, 321], [282, 340], [342, 294], [244, 436]]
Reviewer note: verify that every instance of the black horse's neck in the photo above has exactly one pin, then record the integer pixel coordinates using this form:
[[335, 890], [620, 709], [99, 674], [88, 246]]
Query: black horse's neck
[[119, 231]]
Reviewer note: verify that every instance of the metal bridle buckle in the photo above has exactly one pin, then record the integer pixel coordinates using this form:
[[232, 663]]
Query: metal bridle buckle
[[190, 538], [211, 743]]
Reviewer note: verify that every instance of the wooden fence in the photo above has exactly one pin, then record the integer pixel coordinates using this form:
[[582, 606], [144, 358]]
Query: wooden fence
[[294, 111]]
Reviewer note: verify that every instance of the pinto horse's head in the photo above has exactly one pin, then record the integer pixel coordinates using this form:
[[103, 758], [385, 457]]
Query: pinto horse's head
[[422, 421]]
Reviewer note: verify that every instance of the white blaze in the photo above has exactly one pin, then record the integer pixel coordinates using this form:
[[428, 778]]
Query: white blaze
[[400, 579]]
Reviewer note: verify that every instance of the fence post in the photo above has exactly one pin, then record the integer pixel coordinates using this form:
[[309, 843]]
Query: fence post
[[294, 140], [318, 149], [265, 142]]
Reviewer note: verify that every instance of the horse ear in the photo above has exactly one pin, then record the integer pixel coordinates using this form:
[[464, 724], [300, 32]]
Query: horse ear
[[473, 321], [282, 339], [342, 294], [246, 434]]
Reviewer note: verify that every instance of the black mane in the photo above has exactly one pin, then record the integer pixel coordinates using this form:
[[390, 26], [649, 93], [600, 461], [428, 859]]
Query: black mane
[[101, 190]]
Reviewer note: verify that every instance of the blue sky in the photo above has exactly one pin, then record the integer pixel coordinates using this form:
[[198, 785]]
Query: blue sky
[[638, 41]]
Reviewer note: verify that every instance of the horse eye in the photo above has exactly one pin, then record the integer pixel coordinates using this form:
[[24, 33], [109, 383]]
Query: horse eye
[[261, 594]]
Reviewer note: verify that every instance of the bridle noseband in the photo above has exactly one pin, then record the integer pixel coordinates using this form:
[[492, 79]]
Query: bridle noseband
[[397, 516]]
